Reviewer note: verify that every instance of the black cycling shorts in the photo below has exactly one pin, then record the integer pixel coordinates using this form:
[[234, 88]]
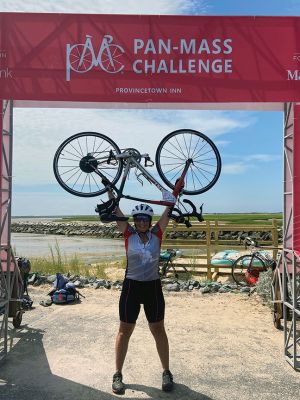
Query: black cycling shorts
[[134, 293]]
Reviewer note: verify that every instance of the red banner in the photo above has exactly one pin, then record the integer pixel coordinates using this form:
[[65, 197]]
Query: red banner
[[130, 58]]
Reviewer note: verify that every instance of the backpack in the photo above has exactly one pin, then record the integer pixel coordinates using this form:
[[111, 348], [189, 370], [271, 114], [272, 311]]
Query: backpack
[[64, 292], [65, 296]]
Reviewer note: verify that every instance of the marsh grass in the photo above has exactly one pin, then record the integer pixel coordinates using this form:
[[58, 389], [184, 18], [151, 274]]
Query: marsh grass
[[57, 262]]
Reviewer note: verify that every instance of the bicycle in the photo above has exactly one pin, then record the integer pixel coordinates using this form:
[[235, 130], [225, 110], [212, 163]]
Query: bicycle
[[81, 57], [246, 269], [166, 259], [187, 161]]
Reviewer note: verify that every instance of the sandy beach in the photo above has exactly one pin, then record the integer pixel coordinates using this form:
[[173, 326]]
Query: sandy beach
[[223, 346]]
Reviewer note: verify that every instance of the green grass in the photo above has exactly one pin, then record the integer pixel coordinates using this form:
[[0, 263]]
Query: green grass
[[234, 218], [246, 219], [73, 265]]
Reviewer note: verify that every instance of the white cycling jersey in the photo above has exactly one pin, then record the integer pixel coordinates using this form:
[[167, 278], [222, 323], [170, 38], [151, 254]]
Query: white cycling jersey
[[142, 258]]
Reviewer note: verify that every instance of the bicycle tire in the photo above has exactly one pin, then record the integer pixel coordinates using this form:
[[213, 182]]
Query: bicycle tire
[[248, 263], [183, 144], [74, 165]]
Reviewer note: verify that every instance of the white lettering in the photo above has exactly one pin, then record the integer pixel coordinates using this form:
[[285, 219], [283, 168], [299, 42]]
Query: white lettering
[[191, 66], [135, 65], [138, 44], [216, 46], [227, 46], [228, 66], [6, 73], [149, 66], [164, 47], [293, 75], [150, 47], [204, 47], [185, 48], [182, 66], [162, 67]]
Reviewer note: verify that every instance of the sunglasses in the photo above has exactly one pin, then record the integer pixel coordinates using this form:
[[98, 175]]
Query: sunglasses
[[141, 218]]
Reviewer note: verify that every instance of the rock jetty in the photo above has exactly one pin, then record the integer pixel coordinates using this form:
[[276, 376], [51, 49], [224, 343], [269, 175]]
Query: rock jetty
[[110, 231]]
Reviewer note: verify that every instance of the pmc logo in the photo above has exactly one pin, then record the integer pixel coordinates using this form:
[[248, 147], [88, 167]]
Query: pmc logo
[[81, 57]]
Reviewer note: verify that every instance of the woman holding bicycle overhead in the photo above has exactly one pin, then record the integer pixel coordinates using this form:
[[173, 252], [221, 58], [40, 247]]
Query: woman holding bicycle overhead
[[142, 286]]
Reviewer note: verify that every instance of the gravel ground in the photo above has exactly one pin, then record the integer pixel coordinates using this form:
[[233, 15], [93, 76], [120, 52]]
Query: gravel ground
[[223, 346]]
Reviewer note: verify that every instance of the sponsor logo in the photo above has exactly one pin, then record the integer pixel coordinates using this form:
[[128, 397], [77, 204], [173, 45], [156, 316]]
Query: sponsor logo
[[159, 56], [82, 58], [5, 72], [294, 74]]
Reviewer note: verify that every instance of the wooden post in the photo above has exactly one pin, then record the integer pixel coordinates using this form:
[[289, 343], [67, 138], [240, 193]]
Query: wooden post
[[208, 250], [275, 238], [216, 244]]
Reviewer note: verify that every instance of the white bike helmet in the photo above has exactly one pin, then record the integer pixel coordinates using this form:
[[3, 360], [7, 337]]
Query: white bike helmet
[[142, 209]]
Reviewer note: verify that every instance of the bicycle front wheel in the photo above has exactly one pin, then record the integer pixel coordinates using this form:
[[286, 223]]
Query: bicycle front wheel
[[78, 159], [179, 146], [246, 269]]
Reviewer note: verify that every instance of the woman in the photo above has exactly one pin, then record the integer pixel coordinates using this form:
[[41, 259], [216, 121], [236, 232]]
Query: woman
[[142, 286]]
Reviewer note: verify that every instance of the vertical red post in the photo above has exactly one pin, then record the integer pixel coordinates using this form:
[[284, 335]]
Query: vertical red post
[[296, 181]]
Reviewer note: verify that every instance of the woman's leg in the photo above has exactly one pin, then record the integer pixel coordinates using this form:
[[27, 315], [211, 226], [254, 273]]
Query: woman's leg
[[162, 344], [122, 340]]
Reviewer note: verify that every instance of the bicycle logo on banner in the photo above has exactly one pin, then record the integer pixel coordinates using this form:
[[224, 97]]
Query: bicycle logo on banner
[[81, 57]]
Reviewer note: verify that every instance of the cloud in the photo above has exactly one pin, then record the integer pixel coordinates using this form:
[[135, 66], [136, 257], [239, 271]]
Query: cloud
[[108, 6], [39, 132], [263, 157], [247, 163], [235, 168]]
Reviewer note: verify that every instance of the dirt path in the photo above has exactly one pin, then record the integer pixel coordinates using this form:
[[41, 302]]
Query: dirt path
[[223, 346]]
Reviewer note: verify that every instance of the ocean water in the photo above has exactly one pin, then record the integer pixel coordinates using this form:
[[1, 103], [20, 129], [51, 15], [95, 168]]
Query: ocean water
[[86, 248]]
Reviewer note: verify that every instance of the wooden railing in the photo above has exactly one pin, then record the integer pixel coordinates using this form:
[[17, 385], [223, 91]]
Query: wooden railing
[[203, 240]]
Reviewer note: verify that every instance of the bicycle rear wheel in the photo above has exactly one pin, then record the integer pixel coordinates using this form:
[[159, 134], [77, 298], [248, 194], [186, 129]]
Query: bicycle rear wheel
[[246, 269], [77, 159], [179, 146]]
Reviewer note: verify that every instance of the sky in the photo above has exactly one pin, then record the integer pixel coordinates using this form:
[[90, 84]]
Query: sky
[[250, 142]]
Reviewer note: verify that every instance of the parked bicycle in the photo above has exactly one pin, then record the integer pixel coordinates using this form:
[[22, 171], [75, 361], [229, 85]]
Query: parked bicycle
[[89, 164], [246, 269], [166, 262]]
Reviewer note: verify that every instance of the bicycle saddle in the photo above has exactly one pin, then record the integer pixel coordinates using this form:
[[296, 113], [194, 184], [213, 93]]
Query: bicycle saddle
[[106, 211]]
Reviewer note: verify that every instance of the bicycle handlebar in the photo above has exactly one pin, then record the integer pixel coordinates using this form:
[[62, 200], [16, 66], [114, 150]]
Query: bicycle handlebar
[[184, 218]]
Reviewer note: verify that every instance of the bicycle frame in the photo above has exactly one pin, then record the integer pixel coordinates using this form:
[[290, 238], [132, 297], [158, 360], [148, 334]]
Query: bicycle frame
[[131, 163]]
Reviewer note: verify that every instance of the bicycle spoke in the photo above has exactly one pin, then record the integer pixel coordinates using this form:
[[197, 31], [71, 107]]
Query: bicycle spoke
[[201, 171], [78, 171], [77, 180], [198, 153], [68, 151], [196, 176], [63, 173], [82, 153], [96, 183], [179, 147], [185, 144], [68, 159], [196, 145], [192, 174], [183, 159], [175, 176]]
